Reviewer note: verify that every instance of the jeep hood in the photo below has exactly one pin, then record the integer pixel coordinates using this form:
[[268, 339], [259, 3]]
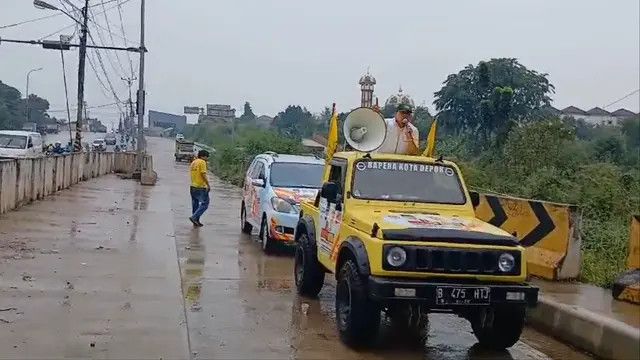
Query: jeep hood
[[430, 227]]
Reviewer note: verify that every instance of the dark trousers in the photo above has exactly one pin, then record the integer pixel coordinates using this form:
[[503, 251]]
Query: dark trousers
[[199, 202]]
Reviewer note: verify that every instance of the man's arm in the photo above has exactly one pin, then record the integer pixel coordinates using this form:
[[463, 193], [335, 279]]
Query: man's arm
[[203, 173], [412, 137]]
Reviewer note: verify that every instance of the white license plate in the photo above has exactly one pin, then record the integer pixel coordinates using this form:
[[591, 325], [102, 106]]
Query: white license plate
[[462, 295]]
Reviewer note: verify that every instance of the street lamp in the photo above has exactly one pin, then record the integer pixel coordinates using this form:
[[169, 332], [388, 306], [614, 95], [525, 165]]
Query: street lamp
[[39, 4], [27, 105]]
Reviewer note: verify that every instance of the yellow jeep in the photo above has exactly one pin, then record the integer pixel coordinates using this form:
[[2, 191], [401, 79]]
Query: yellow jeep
[[400, 235]]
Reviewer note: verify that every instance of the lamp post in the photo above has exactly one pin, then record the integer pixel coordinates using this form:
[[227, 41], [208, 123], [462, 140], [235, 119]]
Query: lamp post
[[27, 105]]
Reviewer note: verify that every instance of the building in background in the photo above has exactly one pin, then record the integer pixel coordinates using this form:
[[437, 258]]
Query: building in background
[[264, 121], [367, 83], [218, 114], [597, 115], [162, 120]]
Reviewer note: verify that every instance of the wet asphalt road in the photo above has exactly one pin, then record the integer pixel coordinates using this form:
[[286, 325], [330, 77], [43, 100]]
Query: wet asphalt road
[[110, 269]]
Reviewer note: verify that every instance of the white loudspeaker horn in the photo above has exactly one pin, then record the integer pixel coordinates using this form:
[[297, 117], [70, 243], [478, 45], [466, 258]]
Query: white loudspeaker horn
[[364, 129]]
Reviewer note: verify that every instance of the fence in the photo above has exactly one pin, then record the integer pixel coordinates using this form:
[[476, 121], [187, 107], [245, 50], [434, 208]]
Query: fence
[[25, 180]]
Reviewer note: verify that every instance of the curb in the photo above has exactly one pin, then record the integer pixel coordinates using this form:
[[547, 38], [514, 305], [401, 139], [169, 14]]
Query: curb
[[584, 329]]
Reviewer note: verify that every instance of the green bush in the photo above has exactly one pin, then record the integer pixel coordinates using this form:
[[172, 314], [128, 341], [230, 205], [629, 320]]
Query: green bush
[[236, 147]]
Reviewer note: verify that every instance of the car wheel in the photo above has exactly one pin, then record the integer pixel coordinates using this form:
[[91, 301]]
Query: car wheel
[[265, 239], [498, 328], [245, 227], [357, 317], [308, 273]]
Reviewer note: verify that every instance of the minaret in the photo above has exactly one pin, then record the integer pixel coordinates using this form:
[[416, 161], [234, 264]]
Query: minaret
[[366, 87]]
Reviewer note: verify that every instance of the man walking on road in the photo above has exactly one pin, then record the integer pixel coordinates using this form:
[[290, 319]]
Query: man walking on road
[[199, 187]]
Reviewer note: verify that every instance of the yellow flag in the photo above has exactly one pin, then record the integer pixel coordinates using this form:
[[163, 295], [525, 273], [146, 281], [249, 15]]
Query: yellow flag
[[332, 139], [431, 141]]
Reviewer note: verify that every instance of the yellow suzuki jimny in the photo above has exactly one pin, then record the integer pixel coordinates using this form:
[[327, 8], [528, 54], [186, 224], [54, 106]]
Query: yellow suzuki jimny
[[400, 235]]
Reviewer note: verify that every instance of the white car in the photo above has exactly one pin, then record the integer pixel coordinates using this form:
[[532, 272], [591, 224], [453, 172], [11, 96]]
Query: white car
[[20, 144], [99, 145]]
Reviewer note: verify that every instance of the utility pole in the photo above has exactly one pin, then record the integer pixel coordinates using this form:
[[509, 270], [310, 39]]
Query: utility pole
[[130, 116], [81, 63], [66, 93], [141, 94]]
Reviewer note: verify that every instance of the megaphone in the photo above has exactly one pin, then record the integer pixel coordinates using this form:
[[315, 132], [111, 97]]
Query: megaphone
[[364, 129]]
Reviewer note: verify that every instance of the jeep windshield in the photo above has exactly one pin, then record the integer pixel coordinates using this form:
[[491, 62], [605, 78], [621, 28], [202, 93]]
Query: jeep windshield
[[407, 181], [13, 141], [296, 175]]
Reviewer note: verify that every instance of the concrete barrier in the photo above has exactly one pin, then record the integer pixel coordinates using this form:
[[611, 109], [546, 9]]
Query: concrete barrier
[[26, 180], [549, 231], [587, 330], [626, 287]]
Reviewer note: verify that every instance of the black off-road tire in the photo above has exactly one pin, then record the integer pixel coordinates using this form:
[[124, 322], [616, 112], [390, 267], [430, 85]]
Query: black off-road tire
[[245, 227], [357, 317], [267, 243], [307, 271], [501, 332]]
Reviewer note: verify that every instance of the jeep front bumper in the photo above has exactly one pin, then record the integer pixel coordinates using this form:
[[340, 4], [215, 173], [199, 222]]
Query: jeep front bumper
[[385, 290]]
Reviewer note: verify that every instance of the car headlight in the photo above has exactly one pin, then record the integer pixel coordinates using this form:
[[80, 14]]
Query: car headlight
[[281, 205], [506, 262], [396, 256]]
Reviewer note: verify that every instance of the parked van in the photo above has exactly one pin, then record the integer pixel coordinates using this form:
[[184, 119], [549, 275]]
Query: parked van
[[20, 144]]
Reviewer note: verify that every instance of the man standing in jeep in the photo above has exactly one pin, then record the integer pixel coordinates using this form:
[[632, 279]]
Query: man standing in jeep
[[402, 135]]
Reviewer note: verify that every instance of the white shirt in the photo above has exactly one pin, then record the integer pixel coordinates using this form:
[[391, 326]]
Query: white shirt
[[396, 141]]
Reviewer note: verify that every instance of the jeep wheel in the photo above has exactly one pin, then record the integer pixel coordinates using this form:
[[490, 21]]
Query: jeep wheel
[[245, 227], [498, 328], [308, 273], [358, 318], [265, 240]]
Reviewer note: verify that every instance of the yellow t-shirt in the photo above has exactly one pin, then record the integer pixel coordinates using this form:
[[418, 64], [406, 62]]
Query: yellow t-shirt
[[198, 169]]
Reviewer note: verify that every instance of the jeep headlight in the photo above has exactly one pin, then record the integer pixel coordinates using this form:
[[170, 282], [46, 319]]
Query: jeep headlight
[[396, 256], [506, 262], [281, 205]]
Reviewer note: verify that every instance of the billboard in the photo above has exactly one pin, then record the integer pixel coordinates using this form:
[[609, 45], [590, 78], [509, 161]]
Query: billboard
[[191, 110]]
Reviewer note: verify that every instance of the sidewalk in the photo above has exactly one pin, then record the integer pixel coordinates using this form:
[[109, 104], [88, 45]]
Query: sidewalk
[[589, 318], [91, 272]]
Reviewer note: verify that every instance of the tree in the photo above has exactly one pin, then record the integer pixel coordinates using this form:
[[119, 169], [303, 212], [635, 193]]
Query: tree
[[295, 121], [491, 98], [37, 108], [247, 115], [11, 116]]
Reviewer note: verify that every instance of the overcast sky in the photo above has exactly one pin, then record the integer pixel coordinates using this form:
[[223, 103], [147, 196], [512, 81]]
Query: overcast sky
[[312, 53]]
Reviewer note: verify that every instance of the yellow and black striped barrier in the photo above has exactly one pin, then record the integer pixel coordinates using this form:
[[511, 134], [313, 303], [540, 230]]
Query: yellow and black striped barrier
[[549, 231], [627, 285]]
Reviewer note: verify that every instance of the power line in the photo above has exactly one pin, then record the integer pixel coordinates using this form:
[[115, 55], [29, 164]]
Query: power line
[[124, 36], [29, 21], [54, 15], [622, 98], [88, 107], [102, 43], [74, 24]]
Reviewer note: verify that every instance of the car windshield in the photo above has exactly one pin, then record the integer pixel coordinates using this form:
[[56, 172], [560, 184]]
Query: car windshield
[[407, 181], [299, 175], [13, 141]]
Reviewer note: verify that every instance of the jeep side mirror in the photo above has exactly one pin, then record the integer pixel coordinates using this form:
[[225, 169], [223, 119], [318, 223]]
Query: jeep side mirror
[[257, 182], [330, 191]]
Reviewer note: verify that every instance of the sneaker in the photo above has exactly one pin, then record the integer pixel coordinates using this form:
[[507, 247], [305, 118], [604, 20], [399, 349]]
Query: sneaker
[[195, 223], [199, 224]]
